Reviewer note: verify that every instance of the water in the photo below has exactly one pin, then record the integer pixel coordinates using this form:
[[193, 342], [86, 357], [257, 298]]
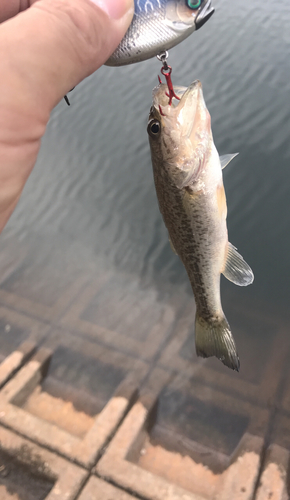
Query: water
[[92, 185], [90, 207]]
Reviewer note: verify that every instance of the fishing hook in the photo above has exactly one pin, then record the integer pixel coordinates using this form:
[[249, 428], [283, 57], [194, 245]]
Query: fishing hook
[[67, 99], [170, 92], [166, 71]]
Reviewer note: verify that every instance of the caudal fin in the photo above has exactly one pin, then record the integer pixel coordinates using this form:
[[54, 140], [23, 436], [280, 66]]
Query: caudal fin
[[214, 338]]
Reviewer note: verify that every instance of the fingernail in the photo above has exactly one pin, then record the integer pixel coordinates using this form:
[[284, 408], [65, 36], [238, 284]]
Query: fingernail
[[115, 8]]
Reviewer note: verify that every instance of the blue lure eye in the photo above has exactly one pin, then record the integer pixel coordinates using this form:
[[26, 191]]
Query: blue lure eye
[[193, 4]]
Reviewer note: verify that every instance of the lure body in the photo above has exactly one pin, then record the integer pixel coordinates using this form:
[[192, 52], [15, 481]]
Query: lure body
[[159, 25]]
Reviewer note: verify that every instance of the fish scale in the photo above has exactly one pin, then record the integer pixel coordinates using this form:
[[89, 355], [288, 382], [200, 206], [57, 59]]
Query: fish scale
[[188, 236]]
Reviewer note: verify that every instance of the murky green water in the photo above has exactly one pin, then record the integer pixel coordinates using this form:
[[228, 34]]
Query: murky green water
[[91, 196]]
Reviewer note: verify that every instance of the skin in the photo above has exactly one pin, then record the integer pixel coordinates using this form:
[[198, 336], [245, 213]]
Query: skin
[[74, 38]]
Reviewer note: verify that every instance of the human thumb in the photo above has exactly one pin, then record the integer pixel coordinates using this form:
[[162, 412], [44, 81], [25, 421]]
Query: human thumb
[[44, 52], [55, 44]]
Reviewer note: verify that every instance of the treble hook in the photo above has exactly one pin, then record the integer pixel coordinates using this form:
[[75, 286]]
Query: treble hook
[[171, 92], [166, 71]]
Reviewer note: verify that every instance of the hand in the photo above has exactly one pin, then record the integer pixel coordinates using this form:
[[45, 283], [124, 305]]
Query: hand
[[46, 48]]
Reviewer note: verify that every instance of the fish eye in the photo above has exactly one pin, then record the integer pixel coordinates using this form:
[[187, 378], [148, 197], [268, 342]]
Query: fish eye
[[193, 4], [153, 128]]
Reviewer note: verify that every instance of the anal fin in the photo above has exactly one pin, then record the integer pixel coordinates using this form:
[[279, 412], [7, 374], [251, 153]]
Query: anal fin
[[236, 269]]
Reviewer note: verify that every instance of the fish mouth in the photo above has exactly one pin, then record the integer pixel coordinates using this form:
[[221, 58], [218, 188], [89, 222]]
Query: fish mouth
[[191, 93], [190, 100], [188, 112], [192, 111], [186, 97], [204, 14]]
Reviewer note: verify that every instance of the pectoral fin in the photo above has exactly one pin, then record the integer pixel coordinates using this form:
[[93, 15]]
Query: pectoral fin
[[236, 268], [226, 159]]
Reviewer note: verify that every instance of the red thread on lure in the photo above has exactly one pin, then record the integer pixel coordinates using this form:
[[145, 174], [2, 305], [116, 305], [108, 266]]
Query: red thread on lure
[[161, 112]]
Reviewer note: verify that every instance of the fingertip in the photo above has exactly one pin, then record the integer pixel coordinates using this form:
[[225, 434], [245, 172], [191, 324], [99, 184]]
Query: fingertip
[[116, 10], [73, 40]]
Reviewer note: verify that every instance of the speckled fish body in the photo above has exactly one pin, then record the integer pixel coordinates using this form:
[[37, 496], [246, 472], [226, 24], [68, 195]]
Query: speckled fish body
[[159, 25], [189, 185]]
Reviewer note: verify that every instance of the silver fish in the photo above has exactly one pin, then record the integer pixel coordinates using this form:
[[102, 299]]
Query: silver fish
[[159, 25], [188, 179]]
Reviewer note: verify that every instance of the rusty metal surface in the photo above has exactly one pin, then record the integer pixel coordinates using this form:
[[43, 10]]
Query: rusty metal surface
[[213, 468], [15, 360], [29, 472], [85, 449], [96, 489], [274, 477], [198, 431]]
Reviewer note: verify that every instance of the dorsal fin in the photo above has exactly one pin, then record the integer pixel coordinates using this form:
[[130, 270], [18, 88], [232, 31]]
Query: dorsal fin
[[226, 159], [236, 268]]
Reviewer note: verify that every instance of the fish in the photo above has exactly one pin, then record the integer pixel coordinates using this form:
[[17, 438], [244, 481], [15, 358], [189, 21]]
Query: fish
[[159, 25], [187, 172]]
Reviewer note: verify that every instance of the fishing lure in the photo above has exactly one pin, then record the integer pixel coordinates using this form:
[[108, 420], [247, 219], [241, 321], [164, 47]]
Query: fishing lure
[[159, 25]]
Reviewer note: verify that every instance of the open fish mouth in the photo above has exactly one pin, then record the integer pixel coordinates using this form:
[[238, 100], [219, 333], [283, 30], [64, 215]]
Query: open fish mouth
[[182, 109], [187, 119], [189, 94], [204, 14], [192, 111], [186, 96]]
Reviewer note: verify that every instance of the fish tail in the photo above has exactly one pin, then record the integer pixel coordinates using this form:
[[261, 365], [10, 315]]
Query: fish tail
[[213, 337]]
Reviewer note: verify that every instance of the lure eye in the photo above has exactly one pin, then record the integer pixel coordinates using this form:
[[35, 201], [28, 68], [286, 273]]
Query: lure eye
[[193, 4], [153, 128]]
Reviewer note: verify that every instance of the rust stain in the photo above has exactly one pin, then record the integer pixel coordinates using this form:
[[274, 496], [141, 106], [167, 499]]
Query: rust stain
[[180, 470], [59, 412]]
